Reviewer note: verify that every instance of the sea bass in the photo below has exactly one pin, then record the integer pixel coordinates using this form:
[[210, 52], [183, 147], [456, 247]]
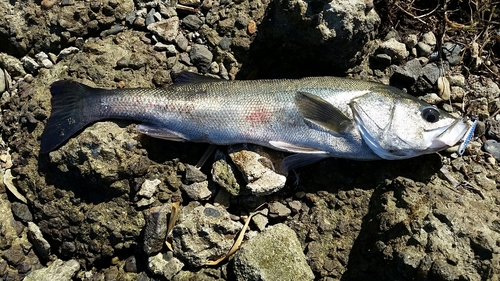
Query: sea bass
[[315, 117]]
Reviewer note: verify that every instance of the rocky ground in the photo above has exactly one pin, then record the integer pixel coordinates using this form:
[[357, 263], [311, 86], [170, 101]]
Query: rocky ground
[[98, 207]]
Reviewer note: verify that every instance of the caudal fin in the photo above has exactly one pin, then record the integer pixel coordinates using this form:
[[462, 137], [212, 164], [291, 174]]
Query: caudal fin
[[67, 115]]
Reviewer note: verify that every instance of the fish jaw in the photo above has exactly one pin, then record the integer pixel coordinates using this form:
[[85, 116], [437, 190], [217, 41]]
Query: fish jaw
[[450, 136]]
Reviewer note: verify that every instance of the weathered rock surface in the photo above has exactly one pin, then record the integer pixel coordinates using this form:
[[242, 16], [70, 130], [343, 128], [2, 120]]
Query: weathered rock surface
[[58, 270], [203, 233], [274, 254]]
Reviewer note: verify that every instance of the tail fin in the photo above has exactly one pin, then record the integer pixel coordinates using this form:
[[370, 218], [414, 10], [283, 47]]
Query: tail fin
[[67, 115]]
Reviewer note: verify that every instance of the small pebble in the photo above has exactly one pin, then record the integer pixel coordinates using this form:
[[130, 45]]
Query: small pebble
[[492, 147], [252, 27]]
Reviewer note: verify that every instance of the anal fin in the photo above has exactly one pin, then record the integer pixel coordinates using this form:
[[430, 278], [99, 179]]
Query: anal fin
[[160, 133]]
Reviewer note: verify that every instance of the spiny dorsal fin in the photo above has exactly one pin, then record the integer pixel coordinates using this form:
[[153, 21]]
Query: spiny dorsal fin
[[322, 113], [187, 77]]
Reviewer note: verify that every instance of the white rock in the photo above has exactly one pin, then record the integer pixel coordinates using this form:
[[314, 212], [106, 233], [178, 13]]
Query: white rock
[[165, 264], [148, 188]]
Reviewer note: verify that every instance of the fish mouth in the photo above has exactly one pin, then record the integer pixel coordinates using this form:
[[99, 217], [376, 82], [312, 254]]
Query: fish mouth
[[449, 135]]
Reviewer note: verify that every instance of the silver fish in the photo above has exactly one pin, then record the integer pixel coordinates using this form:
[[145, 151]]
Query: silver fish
[[315, 117]]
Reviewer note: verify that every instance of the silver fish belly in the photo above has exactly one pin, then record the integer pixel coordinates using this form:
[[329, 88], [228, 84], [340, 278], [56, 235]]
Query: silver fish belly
[[317, 116]]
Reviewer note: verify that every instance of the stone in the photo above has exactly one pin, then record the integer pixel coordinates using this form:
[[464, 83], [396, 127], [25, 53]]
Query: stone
[[411, 41], [452, 52], [66, 52], [409, 72], [224, 173], [169, 49], [22, 212], [396, 50], [3, 85], [43, 60], [165, 264], [429, 38], [155, 230], [423, 49], [148, 188], [165, 29], [192, 3], [194, 174], [277, 209], [57, 270], [201, 57], [12, 65], [192, 22], [197, 190], [492, 147], [182, 42], [150, 18], [257, 170], [205, 233], [30, 64], [493, 130], [433, 71], [273, 254], [225, 43]]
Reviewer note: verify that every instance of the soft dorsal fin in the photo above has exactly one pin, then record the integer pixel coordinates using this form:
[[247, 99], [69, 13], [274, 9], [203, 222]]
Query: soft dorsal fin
[[322, 113], [187, 77]]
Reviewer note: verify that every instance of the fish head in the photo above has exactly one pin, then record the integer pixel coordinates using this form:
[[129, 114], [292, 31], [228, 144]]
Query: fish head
[[396, 125]]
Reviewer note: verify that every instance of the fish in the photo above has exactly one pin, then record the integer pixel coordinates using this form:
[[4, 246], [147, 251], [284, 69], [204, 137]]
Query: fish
[[313, 118]]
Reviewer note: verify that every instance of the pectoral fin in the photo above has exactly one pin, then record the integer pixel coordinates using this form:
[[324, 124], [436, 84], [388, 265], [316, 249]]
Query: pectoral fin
[[160, 133], [322, 113]]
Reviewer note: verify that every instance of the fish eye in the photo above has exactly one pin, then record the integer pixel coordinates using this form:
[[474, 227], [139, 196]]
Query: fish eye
[[430, 114]]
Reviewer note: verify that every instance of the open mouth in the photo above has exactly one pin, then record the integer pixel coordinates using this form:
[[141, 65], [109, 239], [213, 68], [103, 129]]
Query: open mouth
[[450, 135]]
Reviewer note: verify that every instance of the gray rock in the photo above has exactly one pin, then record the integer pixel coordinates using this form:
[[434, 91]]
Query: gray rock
[[260, 219], [423, 49], [201, 57], [257, 170], [432, 98], [492, 147], [169, 49], [57, 270], [30, 64], [43, 60], [182, 42], [205, 233], [383, 58], [155, 230], [192, 22], [396, 50], [197, 190], [452, 52], [150, 17], [22, 212], [12, 65], [166, 29], [225, 43], [493, 131], [165, 264], [274, 254], [3, 85], [194, 174], [409, 72], [411, 41], [433, 71], [277, 209], [148, 188], [66, 52], [429, 38]]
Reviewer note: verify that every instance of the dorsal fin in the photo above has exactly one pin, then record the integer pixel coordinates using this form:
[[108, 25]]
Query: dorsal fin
[[322, 113], [187, 77]]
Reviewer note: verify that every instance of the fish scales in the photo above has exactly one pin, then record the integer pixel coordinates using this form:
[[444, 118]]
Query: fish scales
[[228, 112], [315, 117]]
